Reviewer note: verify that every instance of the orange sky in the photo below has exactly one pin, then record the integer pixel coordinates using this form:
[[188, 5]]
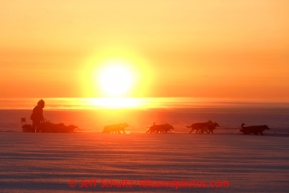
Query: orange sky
[[205, 48]]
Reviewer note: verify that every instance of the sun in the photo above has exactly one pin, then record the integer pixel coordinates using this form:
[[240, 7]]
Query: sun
[[116, 72], [116, 78]]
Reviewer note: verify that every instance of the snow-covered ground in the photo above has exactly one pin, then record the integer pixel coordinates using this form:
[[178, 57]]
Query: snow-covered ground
[[95, 162]]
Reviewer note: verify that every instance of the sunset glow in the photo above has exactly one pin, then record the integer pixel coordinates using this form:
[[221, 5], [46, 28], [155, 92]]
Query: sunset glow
[[116, 72], [215, 49], [144, 96], [116, 103]]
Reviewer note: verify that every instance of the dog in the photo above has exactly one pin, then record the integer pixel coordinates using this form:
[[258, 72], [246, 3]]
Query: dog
[[209, 129], [200, 126], [253, 129], [115, 128], [160, 128]]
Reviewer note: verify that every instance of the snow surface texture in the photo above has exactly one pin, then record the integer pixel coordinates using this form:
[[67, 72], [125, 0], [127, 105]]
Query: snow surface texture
[[49, 162]]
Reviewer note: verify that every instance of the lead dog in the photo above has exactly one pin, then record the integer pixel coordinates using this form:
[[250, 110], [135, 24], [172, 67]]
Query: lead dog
[[253, 129]]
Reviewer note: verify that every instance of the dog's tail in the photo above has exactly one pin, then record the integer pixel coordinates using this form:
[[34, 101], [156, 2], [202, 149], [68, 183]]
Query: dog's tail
[[242, 125]]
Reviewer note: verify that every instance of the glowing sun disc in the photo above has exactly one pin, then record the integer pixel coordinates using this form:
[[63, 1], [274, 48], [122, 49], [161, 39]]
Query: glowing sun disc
[[115, 79]]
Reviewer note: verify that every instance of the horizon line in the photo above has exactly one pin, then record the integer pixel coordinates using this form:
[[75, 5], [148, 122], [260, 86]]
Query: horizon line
[[58, 103]]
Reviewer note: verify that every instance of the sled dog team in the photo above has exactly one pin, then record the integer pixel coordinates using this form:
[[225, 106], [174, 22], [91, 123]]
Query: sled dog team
[[207, 127], [40, 124]]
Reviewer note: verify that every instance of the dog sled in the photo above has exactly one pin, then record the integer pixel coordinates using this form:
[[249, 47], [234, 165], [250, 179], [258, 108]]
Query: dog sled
[[48, 127]]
